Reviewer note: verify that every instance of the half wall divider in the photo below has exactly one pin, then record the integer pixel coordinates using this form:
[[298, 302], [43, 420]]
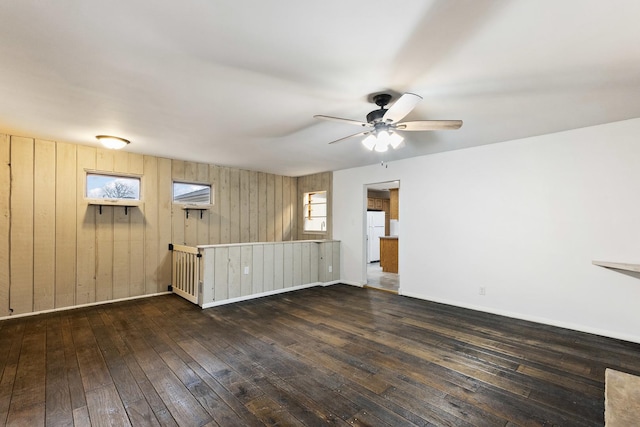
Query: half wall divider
[[230, 273]]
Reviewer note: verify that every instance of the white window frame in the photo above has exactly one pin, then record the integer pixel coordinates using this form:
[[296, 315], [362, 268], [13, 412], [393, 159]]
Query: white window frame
[[193, 205], [307, 204], [117, 201]]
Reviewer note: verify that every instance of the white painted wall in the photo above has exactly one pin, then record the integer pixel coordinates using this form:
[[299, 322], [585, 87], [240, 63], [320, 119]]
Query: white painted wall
[[524, 219]]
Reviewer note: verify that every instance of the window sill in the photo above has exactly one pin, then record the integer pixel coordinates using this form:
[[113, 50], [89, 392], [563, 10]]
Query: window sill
[[194, 207], [126, 204], [115, 202]]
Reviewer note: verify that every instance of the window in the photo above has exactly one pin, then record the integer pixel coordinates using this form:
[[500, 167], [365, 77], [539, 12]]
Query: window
[[112, 187], [315, 211], [191, 194]]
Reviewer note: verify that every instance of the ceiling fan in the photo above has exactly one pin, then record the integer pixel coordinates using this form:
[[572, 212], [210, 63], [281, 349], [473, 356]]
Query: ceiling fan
[[383, 125]]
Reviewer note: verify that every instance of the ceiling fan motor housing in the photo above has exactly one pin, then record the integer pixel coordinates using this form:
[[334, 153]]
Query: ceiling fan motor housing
[[381, 100], [376, 115]]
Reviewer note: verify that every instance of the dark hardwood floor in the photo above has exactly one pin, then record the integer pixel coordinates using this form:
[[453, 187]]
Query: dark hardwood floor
[[338, 355]]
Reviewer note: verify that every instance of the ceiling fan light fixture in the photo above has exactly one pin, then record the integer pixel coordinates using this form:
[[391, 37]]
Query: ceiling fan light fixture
[[112, 142], [381, 147], [369, 142], [395, 140]]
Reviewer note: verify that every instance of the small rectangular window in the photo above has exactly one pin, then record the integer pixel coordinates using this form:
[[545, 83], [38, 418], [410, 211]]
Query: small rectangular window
[[112, 187], [315, 211], [191, 194]]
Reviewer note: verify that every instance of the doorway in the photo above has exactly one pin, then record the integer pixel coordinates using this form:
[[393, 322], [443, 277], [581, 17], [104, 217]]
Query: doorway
[[381, 236]]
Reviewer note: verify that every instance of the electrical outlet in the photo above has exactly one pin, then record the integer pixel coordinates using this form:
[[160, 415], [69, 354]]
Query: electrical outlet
[[246, 269], [331, 269], [483, 290]]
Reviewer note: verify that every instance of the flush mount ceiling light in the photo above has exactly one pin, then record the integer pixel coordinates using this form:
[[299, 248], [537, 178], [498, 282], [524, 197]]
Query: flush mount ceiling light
[[112, 142]]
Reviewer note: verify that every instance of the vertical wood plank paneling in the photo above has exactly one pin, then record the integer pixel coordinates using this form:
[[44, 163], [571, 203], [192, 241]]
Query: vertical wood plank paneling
[[104, 253], [164, 224], [136, 163], [262, 207], [246, 262], [327, 184], [203, 217], [86, 230], [287, 265], [234, 272], [120, 161], [66, 225], [297, 264], [253, 206], [116, 255], [278, 266], [177, 213], [225, 207], [234, 205], [314, 267], [208, 276], [5, 218], [294, 208], [104, 160], [278, 208], [190, 171], [104, 235], [257, 282], [44, 225], [121, 252], [306, 262], [177, 169], [336, 260], [245, 224], [286, 208], [203, 173], [269, 267], [221, 287], [214, 212], [191, 223], [136, 252], [270, 202], [21, 225], [151, 225], [136, 233], [190, 226]]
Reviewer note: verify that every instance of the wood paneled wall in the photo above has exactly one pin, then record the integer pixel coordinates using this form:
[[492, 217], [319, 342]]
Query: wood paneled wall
[[249, 206], [57, 251], [317, 182], [252, 270]]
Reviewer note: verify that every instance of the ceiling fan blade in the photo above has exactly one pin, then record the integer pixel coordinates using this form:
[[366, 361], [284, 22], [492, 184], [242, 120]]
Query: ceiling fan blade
[[402, 107], [350, 136], [338, 119], [429, 125]]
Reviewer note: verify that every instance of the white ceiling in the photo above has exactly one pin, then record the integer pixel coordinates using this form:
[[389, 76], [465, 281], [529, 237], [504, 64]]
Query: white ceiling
[[237, 82]]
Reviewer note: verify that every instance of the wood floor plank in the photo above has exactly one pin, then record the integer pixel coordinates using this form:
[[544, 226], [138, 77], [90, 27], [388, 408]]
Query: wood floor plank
[[58, 399], [105, 407], [321, 356]]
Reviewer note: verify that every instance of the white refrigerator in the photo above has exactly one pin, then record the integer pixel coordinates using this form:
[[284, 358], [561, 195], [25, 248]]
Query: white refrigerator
[[375, 229]]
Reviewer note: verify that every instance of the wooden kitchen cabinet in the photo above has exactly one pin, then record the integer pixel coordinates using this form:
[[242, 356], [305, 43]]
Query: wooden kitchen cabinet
[[389, 254], [394, 211], [371, 203]]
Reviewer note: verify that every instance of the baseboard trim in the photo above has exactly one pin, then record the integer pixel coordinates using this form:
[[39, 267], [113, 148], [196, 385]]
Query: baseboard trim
[[535, 319], [347, 282], [90, 304], [266, 294]]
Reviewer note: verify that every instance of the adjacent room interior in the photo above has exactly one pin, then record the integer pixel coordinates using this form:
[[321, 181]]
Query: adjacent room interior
[[349, 213]]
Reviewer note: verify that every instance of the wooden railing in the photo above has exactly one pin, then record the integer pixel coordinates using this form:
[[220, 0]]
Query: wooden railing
[[185, 265]]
